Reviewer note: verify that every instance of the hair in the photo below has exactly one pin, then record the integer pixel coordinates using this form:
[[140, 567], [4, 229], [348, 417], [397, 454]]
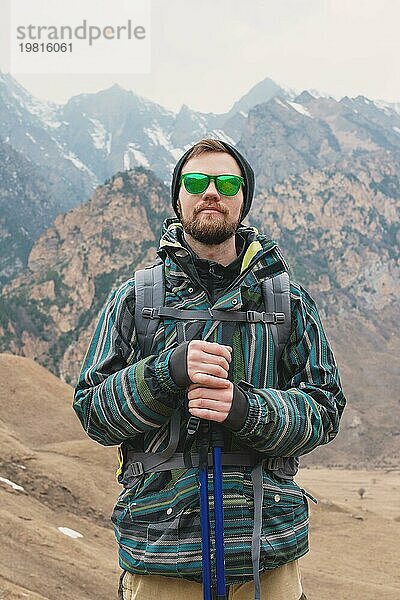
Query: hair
[[204, 146]]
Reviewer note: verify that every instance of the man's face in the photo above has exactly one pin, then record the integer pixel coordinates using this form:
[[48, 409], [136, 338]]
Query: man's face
[[210, 217]]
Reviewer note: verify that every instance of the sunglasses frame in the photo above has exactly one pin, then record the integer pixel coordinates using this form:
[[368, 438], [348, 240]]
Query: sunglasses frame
[[212, 178]]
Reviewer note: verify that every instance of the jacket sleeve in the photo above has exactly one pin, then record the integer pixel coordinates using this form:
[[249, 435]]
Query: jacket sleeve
[[118, 395], [305, 411]]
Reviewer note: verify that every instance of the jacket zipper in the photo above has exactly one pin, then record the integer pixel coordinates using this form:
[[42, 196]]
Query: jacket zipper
[[236, 281]]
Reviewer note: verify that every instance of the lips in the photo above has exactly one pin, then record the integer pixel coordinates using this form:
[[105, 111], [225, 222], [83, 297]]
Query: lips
[[211, 209]]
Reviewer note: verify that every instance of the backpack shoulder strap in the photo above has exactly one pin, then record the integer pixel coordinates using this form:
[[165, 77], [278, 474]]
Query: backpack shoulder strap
[[276, 294], [149, 293]]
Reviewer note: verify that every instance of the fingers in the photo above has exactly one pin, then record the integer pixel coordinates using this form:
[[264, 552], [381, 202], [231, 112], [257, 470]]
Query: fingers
[[205, 380], [215, 370], [210, 403], [212, 348], [196, 392], [207, 358], [200, 360], [209, 415]]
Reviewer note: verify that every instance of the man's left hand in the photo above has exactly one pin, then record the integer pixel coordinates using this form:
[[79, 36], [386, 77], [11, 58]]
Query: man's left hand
[[211, 404]]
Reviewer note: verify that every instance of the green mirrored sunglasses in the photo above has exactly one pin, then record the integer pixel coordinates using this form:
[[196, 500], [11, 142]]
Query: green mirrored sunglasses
[[197, 183]]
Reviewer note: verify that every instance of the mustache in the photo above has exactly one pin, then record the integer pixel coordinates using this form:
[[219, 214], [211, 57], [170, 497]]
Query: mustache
[[221, 209]]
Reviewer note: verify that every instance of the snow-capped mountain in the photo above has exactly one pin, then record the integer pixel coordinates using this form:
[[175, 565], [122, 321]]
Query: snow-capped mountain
[[31, 127], [74, 147], [288, 136]]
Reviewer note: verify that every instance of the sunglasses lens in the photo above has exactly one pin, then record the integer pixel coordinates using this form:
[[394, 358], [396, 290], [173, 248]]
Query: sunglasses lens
[[228, 185], [195, 183]]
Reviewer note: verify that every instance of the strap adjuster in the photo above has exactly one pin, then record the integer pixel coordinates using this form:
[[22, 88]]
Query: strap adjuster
[[279, 317], [149, 312], [193, 425], [273, 464], [252, 316], [137, 468]]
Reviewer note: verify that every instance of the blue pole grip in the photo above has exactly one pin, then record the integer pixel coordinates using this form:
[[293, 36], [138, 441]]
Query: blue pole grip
[[219, 523]]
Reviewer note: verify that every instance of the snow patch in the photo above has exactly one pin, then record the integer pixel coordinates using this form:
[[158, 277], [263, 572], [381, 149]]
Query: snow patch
[[321, 94], [383, 106], [45, 112], [30, 137], [280, 102], [14, 486], [70, 532], [158, 137], [244, 114], [76, 162], [396, 129], [223, 136], [127, 163], [100, 136], [300, 109], [388, 107], [133, 157]]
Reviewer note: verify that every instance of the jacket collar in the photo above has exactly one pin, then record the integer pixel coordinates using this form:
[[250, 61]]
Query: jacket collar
[[258, 247], [262, 258]]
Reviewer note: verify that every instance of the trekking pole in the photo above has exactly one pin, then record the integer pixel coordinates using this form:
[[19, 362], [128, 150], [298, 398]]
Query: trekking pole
[[217, 441], [205, 510], [217, 444]]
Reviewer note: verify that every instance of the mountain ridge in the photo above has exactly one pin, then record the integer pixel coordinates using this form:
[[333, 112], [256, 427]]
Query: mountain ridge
[[77, 145]]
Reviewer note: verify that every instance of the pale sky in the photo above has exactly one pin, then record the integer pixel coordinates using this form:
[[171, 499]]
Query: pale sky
[[208, 53]]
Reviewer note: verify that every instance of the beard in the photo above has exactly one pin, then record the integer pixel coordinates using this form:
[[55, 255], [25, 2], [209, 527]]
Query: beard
[[210, 229]]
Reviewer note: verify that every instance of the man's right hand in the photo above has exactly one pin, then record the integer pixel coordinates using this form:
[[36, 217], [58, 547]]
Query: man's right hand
[[208, 363]]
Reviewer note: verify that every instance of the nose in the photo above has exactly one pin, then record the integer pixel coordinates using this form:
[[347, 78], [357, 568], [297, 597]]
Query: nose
[[211, 191]]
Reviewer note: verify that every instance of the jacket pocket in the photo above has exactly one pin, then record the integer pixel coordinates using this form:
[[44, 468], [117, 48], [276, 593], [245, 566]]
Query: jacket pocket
[[285, 523], [147, 524]]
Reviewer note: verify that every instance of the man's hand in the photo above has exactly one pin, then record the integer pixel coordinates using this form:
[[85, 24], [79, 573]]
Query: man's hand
[[208, 364], [212, 404]]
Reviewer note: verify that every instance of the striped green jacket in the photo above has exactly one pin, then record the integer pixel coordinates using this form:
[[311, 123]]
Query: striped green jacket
[[121, 397]]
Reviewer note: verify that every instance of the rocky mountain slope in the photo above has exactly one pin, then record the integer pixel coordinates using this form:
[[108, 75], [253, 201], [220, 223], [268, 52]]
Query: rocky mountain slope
[[74, 147], [339, 228], [285, 137], [48, 311], [24, 198]]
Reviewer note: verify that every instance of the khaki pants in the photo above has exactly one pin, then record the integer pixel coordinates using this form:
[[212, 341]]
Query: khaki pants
[[282, 583]]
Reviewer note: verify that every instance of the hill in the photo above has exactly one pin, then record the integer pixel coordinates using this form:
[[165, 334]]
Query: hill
[[52, 476], [66, 480]]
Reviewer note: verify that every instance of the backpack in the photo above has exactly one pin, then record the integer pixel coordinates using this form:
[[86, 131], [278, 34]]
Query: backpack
[[149, 308]]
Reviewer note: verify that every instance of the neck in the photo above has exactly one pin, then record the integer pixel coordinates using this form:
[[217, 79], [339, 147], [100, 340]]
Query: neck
[[223, 254]]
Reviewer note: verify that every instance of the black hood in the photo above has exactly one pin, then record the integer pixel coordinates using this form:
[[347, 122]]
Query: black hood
[[246, 169]]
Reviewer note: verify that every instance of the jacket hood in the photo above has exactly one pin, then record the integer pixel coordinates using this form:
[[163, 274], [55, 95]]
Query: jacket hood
[[246, 169], [258, 246]]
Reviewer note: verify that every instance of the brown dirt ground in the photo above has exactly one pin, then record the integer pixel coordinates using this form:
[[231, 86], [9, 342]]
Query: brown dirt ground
[[354, 542], [69, 481]]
